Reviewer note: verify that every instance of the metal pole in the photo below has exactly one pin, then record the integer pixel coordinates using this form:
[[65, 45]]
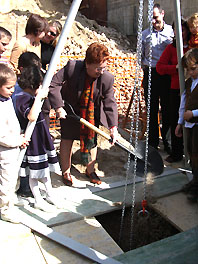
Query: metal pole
[[179, 46], [52, 66]]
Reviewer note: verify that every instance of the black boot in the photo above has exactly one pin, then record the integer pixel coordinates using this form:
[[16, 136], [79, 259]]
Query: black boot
[[24, 189], [192, 195], [167, 148], [186, 188]]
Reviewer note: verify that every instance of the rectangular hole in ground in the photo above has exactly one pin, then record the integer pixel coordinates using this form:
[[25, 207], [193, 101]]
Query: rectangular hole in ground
[[145, 230]]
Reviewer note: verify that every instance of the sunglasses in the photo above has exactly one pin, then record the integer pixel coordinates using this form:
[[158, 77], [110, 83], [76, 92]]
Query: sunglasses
[[52, 34]]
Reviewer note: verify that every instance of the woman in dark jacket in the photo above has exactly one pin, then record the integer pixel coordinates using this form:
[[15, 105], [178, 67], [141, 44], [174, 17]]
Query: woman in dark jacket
[[49, 41], [88, 87]]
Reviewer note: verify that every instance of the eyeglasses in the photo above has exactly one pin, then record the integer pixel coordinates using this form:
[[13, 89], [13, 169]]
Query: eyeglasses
[[52, 34], [99, 69]]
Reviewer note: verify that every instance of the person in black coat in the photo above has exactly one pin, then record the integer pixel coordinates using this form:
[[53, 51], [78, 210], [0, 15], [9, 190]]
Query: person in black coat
[[48, 43]]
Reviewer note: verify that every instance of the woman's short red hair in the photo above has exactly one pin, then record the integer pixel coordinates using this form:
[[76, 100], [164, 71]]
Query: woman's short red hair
[[96, 53]]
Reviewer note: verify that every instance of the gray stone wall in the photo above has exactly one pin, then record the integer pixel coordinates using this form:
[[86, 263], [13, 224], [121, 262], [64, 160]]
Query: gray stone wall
[[123, 14]]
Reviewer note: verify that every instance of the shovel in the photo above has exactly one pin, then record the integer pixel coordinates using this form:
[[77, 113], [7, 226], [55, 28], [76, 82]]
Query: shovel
[[155, 163]]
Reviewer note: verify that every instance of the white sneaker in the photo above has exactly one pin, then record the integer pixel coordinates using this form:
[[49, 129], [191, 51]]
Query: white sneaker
[[11, 215], [44, 206], [20, 202], [55, 201]]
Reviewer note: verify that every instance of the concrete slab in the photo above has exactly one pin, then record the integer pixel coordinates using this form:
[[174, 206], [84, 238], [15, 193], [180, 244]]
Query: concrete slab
[[178, 210], [81, 203], [178, 249], [163, 186], [59, 216], [87, 231], [80, 182], [78, 203], [114, 182], [156, 188], [18, 245]]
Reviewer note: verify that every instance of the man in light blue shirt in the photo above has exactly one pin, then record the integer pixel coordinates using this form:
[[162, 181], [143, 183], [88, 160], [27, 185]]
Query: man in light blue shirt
[[162, 35]]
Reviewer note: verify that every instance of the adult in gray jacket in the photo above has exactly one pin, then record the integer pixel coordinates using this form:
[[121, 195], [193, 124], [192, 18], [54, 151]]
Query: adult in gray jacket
[[88, 88]]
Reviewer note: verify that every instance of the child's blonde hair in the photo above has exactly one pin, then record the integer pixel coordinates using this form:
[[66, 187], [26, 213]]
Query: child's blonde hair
[[193, 20], [6, 74]]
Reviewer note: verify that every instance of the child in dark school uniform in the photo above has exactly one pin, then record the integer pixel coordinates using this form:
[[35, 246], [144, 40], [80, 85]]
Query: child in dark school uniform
[[188, 116], [25, 60], [40, 157]]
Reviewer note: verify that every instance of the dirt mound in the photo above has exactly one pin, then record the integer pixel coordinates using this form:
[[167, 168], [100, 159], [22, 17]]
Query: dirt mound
[[84, 31], [43, 7]]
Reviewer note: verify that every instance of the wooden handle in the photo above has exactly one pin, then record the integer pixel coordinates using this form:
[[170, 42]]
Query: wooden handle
[[128, 148], [94, 128]]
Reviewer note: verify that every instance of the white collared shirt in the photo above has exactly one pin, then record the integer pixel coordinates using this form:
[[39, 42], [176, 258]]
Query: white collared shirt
[[182, 107]]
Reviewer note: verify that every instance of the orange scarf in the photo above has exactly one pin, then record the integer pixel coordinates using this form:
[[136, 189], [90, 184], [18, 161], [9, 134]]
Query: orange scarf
[[87, 136]]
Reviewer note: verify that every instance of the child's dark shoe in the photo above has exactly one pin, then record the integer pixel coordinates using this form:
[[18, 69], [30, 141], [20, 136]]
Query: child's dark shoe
[[192, 194], [186, 188]]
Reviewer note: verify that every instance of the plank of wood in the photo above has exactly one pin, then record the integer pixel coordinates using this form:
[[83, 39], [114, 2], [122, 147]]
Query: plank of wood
[[66, 241], [88, 232]]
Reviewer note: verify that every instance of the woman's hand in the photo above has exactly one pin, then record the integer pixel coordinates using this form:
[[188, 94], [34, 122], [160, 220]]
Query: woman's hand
[[61, 113], [114, 134]]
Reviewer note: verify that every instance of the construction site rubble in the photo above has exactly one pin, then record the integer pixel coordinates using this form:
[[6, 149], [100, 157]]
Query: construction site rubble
[[85, 31]]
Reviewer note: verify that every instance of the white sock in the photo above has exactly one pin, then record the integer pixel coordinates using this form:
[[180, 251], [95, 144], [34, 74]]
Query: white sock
[[48, 185], [35, 190]]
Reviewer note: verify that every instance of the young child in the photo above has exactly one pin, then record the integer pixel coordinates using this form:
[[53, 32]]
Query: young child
[[5, 38], [193, 26], [25, 60], [40, 157], [188, 115], [10, 141]]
